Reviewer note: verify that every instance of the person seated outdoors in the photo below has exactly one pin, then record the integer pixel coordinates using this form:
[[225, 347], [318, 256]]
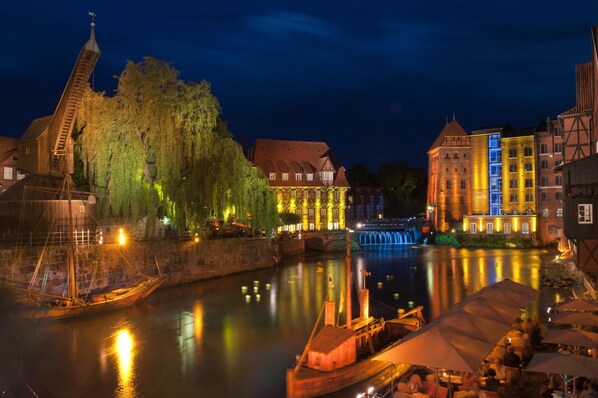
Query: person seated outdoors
[[430, 385], [466, 381], [499, 368], [511, 359], [402, 391], [476, 391], [591, 390], [415, 384], [492, 383]]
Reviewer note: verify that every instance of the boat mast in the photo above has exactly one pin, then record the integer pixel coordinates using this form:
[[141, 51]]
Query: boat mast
[[72, 288], [348, 276]]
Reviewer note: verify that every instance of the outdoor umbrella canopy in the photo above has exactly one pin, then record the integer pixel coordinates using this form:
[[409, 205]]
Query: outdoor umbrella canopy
[[509, 285], [479, 306], [574, 318], [437, 347], [574, 337], [578, 304], [565, 364], [478, 327], [497, 294]]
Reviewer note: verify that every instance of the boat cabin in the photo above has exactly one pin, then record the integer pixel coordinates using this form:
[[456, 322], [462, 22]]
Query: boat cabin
[[331, 349]]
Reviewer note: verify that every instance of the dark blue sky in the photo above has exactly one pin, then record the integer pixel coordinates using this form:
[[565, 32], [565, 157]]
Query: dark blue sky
[[374, 79]]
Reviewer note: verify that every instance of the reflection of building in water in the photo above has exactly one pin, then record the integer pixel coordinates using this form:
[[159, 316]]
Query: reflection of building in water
[[451, 279], [125, 356]]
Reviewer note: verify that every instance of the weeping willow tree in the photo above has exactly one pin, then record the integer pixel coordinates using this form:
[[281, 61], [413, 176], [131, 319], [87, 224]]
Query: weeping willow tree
[[159, 147]]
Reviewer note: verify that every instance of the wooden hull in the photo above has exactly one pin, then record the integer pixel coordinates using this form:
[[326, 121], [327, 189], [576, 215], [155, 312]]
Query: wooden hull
[[115, 299], [312, 383]]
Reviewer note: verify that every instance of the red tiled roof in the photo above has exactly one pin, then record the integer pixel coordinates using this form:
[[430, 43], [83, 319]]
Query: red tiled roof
[[296, 157], [453, 129]]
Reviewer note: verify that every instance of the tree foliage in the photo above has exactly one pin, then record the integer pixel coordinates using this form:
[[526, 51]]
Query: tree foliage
[[288, 218], [404, 187], [159, 147]]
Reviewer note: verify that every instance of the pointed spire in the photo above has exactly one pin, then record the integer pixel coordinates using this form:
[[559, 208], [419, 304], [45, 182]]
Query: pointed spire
[[91, 44]]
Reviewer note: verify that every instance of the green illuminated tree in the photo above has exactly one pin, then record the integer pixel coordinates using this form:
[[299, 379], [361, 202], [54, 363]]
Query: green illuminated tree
[[159, 147]]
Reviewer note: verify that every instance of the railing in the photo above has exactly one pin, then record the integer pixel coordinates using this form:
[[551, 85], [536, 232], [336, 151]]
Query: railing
[[57, 238]]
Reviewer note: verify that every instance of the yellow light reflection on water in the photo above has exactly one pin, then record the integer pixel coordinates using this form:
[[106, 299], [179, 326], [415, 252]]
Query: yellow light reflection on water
[[198, 320], [125, 356]]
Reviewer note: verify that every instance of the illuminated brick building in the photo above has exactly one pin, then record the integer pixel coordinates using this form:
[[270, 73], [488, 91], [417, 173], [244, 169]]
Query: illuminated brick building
[[549, 192], [8, 163], [502, 181], [449, 178], [308, 181]]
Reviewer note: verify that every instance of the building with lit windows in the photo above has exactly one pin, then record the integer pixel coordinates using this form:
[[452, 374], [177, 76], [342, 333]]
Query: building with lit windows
[[8, 163], [365, 202], [502, 182], [449, 178], [549, 179], [308, 181]]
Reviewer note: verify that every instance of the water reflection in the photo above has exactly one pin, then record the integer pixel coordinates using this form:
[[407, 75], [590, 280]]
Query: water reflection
[[206, 337], [125, 355]]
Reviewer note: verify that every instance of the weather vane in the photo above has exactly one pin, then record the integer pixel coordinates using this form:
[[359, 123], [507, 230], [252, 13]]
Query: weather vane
[[92, 15]]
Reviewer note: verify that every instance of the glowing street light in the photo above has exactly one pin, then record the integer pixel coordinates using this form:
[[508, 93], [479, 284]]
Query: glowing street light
[[121, 237]]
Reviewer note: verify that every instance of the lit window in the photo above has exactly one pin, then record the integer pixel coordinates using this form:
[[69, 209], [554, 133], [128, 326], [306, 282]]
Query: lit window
[[543, 148], [312, 226], [473, 228], [310, 177], [20, 175], [327, 175], [298, 176], [559, 212], [525, 228], [8, 173], [27, 151], [285, 176], [335, 212], [528, 167], [272, 176], [584, 213], [507, 228], [545, 213], [323, 212], [489, 228], [310, 212]]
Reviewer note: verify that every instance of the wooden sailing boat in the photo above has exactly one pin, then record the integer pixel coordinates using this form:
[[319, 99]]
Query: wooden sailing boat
[[46, 151], [337, 357]]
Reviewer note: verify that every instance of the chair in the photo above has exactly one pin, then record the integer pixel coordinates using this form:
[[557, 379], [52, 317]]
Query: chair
[[512, 375], [443, 392]]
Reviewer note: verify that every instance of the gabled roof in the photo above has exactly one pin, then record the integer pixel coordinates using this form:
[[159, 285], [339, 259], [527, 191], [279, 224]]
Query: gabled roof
[[297, 158], [36, 128], [452, 129], [329, 338]]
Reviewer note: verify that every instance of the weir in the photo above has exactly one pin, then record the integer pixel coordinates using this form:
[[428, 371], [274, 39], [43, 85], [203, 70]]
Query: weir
[[402, 237]]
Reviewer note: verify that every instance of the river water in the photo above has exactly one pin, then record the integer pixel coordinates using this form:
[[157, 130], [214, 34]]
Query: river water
[[212, 339]]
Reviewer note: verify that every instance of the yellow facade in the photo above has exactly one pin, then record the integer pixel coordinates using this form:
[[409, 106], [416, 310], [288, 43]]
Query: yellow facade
[[505, 224], [479, 174], [518, 174], [308, 203]]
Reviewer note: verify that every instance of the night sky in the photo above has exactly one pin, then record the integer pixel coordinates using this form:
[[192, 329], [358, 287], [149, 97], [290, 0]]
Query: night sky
[[376, 80]]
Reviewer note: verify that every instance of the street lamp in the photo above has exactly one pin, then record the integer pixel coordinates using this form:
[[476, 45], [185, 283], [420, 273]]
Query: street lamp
[[121, 237]]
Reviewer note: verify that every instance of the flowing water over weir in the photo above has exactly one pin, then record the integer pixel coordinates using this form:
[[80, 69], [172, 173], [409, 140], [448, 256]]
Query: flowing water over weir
[[386, 238]]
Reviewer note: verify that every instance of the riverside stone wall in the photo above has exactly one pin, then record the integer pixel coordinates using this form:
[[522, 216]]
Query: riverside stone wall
[[100, 266]]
